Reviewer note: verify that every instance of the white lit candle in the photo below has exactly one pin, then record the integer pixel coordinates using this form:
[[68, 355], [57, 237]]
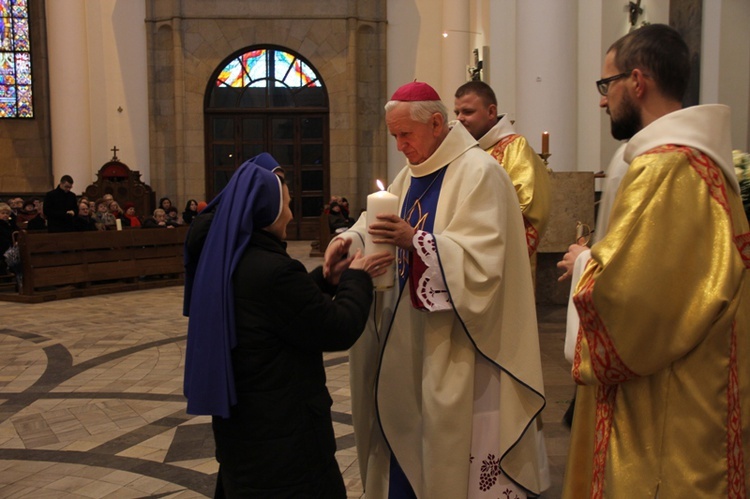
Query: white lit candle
[[379, 203]]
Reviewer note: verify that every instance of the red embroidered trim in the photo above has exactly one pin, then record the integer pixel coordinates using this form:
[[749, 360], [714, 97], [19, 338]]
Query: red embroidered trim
[[605, 405], [711, 174], [743, 246], [735, 456], [605, 362], [532, 236], [499, 151]]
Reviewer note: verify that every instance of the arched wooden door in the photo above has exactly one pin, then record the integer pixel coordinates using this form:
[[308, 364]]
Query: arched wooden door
[[268, 98]]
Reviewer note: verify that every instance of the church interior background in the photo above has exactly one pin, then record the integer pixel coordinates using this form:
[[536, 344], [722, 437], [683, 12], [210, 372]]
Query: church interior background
[[150, 78], [186, 90]]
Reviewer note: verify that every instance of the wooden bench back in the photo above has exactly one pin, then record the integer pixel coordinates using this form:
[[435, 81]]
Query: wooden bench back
[[74, 258]]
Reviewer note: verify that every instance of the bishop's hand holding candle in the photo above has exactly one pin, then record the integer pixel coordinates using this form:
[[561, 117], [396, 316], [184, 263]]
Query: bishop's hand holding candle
[[381, 203], [380, 255]]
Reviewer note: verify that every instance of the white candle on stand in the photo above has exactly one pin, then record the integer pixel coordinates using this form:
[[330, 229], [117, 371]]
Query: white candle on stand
[[378, 203]]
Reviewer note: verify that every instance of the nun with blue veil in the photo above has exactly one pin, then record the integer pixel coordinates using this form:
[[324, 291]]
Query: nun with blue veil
[[259, 324]]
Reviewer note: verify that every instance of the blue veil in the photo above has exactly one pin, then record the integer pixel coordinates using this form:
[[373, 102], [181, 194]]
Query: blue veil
[[251, 200]]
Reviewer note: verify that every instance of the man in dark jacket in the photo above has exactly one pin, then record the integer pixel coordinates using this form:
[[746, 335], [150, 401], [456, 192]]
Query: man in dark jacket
[[83, 222], [60, 206]]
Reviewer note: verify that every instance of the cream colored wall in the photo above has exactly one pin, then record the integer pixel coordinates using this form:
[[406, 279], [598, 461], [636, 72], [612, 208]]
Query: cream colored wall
[[118, 76], [97, 66], [190, 37], [414, 51], [725, 61], [546, 78], [522, 45]]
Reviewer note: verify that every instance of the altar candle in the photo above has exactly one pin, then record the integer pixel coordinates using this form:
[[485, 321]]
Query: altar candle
[[545, 142], [118, 223], [378, 203]]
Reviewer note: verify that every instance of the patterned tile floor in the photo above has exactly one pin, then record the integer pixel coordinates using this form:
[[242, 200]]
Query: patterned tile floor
[[91, 401]]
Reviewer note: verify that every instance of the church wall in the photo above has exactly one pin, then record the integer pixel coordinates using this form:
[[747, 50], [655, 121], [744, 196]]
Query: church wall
[[734, 68], [25, 152], [120, 110], [97, 63], [189, 39]]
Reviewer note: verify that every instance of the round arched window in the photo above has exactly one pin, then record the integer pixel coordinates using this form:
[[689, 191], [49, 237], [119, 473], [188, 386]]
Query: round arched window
[[267, 78]]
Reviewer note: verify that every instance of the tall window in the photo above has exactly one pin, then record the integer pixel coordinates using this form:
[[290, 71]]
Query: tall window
[[15, 60], [267, 98]]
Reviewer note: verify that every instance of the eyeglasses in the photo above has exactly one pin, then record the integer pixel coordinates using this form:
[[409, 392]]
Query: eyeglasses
[[603, 85]]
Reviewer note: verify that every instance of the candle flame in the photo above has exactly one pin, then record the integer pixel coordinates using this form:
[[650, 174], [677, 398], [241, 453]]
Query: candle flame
[[380, 185]]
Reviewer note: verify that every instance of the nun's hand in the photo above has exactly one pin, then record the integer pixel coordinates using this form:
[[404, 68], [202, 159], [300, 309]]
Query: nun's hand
[[375, 265], [336, 259]]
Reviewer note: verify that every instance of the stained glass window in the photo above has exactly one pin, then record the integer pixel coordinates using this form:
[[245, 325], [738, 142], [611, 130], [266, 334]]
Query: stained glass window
[[267, 77], [15, 60]]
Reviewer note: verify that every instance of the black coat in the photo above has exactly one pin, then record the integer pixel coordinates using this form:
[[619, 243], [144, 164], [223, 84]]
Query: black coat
[[57, 203], [279, 440], [83, 224]]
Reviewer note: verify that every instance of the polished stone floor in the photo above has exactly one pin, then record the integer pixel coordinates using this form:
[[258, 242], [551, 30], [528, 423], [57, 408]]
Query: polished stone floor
[[91, 401]]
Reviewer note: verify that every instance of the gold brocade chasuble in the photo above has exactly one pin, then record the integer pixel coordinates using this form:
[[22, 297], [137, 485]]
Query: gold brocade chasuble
[[527, 172], [662, 351], [412, 371]]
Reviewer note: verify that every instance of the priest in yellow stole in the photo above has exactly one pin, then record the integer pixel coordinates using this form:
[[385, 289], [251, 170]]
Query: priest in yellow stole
[[475, 107]]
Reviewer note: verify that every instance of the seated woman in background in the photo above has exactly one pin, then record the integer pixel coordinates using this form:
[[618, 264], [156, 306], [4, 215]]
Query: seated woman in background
[[103, 218], [191, 211], [173, 217], [165, 204], [27, 212], [259, 324], [158, 221], [116, 211], [38, 222], [130, 215]]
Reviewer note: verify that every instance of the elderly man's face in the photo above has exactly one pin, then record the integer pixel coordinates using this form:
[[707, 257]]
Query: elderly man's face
[[416, 140]]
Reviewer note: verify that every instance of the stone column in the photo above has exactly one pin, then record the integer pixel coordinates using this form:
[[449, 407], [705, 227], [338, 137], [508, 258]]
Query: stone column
[[456, 51], [69, 92], [546, 77]]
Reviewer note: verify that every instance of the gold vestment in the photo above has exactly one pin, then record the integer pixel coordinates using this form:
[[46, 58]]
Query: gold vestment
[[662, 351]]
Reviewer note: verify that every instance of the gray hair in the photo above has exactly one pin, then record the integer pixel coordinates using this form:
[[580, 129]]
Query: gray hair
[[421, 111]]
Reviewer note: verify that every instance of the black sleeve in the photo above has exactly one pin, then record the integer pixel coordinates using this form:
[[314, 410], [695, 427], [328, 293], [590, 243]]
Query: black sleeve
[[317, 276], [312, 319]]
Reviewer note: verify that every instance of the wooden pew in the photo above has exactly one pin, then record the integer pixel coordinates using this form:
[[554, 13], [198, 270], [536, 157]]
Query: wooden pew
[[73, 264]]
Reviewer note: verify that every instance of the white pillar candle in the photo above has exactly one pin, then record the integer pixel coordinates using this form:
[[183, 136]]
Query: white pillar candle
[[379, 203], [118, 223]]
